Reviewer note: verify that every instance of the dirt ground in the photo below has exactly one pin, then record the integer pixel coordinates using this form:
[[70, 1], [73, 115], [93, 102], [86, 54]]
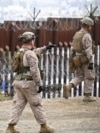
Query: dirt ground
[[66, 116]]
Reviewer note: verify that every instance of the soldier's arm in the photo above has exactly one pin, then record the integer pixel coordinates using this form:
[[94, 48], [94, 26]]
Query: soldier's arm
[[34, 69], [87, 45], [40, 50]]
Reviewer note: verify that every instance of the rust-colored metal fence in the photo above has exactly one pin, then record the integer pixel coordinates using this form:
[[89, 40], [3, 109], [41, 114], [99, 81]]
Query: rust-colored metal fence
[[53, 30], [59, 32]]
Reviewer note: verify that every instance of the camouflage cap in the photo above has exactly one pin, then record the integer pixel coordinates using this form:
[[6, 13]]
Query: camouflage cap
[[88, 21], [26, 37]]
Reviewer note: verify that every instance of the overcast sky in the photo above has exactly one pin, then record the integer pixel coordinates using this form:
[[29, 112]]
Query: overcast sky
[[23, 9]]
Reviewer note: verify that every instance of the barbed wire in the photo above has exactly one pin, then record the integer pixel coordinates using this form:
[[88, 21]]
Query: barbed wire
[[51, 24]]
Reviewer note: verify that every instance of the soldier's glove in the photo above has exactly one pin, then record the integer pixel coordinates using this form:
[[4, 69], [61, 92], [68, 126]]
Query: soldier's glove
[[50, 46], [40, 89], [90, 66]]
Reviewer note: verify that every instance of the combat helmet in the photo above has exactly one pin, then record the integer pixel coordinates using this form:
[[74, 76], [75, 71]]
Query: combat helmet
[[88, 21], [26, 37]]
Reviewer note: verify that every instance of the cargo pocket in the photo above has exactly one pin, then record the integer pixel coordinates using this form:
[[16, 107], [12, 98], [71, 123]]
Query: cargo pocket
[[36, 100], [72, 67], [77, 61], [84, 59], [91, 74]]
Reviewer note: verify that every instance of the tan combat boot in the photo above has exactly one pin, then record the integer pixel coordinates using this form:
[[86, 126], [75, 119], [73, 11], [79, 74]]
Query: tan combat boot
[[46, 129], [66, 90], [88, 98], [10, 129]]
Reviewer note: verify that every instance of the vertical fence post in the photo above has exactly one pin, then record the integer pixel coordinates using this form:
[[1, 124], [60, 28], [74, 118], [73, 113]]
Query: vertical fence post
[[98, 71], [55, 63]]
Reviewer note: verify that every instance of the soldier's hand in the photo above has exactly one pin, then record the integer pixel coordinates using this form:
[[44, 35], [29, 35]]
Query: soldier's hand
[[90, 66], [40, 89], [50, 46]]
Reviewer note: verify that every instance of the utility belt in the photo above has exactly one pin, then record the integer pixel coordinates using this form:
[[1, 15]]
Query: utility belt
[[80, 59], [77, 61], [23, 77]]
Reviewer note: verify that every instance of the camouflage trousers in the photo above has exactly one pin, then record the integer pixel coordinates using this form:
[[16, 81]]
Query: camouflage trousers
[[26, 91], [86, 75]]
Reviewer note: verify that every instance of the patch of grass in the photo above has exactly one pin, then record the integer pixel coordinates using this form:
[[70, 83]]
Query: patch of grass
[[3, 97]]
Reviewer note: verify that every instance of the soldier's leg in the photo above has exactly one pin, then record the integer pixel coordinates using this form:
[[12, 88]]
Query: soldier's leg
[[40, 114], [19, 103], [35, 102], [73, 83], [88, 85], [67, 89], [11, 129]]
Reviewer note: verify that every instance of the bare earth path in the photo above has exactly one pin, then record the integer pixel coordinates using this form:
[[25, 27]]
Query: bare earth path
[[66, 116]]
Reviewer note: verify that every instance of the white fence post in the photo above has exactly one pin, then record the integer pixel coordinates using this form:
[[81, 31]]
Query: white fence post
[[55, 63]]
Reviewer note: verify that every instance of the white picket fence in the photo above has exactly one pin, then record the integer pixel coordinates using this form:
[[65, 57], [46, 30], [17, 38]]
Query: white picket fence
[[54, 63]]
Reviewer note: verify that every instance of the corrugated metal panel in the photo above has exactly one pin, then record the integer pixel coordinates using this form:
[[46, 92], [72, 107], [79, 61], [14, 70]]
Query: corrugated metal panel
[[54, 30], [97, 32], [3, 38]]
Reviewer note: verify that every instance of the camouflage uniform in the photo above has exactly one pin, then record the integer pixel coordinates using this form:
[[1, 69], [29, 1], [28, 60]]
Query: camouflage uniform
[[26, 91], [84, 73], [27, 86]]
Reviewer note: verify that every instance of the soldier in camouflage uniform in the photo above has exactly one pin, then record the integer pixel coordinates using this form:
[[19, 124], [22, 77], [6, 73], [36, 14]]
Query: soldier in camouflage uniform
[[84, 72], [28, 86]]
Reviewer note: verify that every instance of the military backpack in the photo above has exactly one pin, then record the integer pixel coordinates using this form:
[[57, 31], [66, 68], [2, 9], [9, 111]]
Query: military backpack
[[17, 62], [77, 41]]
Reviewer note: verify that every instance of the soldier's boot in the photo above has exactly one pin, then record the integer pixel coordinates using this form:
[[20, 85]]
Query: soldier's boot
[[88, 98], [67, 89], [11, 129], [46, 129]]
